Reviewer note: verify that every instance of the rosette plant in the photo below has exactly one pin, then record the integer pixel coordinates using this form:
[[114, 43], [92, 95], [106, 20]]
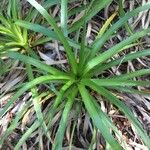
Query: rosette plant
[[12, 36], [85, 76]]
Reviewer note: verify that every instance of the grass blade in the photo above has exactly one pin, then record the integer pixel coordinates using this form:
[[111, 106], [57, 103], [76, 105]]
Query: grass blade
[[47, 4], [115, 49], [100, 68], [116, 82], [114, 100], [63, 122], [122, 13], [34, 62], [4, 21], [37, 28], [62, 38], [45, 31], [99, 42], [131, 90], [93, 8], [14, 9], [109, 123], [83, 54], [29, 85], [26, 135], [36, 100], [64, 16], [57, 101], [97, 120], [133, 74]]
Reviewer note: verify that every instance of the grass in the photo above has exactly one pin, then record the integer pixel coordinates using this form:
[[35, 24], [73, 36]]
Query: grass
[[83, 75]]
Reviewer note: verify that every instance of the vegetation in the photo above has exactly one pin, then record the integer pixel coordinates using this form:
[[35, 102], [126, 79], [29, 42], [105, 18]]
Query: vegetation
[[75, 86]]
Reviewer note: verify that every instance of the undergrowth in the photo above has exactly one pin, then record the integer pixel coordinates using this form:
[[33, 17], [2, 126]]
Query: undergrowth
[[83, 78]]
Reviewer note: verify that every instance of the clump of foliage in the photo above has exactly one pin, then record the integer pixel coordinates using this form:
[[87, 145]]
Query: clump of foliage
[[84, 76], [11, 35]]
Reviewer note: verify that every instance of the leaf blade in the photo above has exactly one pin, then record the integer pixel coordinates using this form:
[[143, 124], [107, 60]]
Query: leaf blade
[[112, 99], [63, 122], [115, 49], [62, 38], [96, 119]]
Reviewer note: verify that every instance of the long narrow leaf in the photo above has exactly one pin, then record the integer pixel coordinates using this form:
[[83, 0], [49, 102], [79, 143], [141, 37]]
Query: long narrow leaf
[[45, 31], [133, 74], [115, 49], [106, 120], [63, 122], [99, 42], [122, 13], [57, 101], [14, 9], [93, 8], [37, 28], [36, 100], [34, 62], [43, 79], [114, 100], [64, 16], [26, 135], [46, 4], [97, 120], [62, 38], [131, 90], [116, 82], [100, 68]]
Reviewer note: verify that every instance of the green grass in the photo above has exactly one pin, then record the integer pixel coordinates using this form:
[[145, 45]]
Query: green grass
[[80, 80]]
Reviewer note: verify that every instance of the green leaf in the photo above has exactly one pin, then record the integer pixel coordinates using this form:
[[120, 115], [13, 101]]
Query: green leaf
[[93, 8], [100, 68], [26, 135], [34, 62], [115, 49], [45, 31], [47, 4], [106, 120], [122, 14], [59, 33], [114, 100], [133, 74], [64, 16], [14, 123], [63, 122], [97, 120], [37, 28], [39, 80], [99, 42], [131, 90], [57, 101], [14, 8], [4, 21], [116, 82], [83, 54], [36, 100]]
